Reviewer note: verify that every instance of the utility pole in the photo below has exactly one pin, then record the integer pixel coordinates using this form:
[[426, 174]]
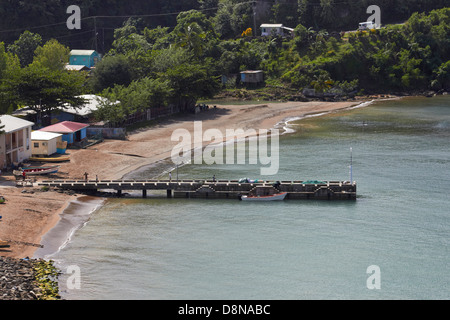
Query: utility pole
[[254, 19], [95, 31]]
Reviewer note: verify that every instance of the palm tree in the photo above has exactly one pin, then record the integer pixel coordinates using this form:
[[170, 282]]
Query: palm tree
[[192, 37]]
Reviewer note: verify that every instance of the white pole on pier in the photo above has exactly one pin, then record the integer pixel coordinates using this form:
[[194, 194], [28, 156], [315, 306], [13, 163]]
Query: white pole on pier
[[351, 165]]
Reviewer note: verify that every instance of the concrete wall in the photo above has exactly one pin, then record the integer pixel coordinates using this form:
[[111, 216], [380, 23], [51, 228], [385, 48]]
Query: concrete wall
[[107, 133]]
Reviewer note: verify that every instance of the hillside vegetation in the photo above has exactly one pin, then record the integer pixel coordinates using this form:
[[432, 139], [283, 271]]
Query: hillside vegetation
[[148, 66]]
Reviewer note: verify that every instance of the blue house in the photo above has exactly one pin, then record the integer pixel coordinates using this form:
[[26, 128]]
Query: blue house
[[88, 58], [72, 131]]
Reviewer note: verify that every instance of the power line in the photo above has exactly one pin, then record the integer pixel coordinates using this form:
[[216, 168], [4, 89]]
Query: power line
[[116, 17]]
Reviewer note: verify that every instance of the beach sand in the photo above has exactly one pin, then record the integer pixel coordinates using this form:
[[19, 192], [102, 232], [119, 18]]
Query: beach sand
[[29, 216]]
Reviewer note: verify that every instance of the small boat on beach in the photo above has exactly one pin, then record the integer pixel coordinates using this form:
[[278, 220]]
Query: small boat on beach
[[4, 244], [273, 197], [50, 159], [32, 171]]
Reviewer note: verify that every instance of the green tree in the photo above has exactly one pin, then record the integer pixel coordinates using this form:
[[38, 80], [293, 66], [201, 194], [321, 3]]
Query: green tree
[[192, 37], [110, 71], [9, 67], [25, 47], [122, 101], [45, 90], [222, 19], [163, 60], [441, 77], [191, 82], [2, 60], [232, 17], [186, 18], [157, 38], [52, 55]]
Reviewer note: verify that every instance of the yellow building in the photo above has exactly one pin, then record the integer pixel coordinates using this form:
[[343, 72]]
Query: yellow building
[[44, 143]]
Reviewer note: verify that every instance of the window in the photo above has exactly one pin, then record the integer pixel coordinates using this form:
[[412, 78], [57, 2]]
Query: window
[[36, 144]]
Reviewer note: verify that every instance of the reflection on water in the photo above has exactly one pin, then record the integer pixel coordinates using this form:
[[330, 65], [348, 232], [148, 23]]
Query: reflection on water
[[161, 248]]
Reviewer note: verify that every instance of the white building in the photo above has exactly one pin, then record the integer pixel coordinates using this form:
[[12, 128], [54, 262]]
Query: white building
[[15, 142], [268, 29], [44, 143]]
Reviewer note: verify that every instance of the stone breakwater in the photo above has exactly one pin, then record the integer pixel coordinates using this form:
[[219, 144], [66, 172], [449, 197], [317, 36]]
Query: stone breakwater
[[18, 280]]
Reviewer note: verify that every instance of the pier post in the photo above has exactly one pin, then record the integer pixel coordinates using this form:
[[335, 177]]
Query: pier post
[[144, 193], [119, 193], [169, 193]]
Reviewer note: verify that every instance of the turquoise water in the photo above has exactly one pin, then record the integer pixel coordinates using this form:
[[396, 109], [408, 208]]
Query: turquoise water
[[161, 248]]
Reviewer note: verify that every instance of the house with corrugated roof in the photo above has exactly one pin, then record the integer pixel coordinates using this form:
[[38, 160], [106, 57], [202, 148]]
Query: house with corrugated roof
[[88, 58], [72, 132], [252, 76], [15, 141], [83, 113]]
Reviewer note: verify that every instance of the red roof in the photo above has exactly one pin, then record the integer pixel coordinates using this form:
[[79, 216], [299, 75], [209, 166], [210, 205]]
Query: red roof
[[65, 127]]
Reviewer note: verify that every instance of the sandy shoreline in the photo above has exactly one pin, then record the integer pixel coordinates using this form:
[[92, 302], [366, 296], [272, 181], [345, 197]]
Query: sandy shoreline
[[29, 216]]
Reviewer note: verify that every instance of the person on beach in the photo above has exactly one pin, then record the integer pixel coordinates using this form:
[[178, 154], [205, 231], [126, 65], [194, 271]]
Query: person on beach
[[24, 175], [86, 176], [170, 176], [214, 178]]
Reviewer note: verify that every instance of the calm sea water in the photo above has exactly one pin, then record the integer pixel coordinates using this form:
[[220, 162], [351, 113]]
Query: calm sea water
[[161, 248]]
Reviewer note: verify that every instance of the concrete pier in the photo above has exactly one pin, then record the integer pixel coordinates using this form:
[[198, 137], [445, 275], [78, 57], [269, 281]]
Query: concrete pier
[[219, 189]]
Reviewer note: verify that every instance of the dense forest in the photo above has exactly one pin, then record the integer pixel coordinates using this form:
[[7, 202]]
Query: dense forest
[[157, 53], [101, 17]]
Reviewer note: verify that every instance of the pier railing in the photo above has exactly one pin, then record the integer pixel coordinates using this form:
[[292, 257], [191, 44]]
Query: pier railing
[[208, 188]]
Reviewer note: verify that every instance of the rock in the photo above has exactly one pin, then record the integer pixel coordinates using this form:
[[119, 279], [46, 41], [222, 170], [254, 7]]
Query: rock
[[17, 280]]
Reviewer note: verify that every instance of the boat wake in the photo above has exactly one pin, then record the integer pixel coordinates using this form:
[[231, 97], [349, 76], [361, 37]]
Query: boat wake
[[287, 127]]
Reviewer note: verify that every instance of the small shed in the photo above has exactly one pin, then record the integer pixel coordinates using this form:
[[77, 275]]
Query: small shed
[[88, 58], [252, 76], [44, 143], [72, 132]]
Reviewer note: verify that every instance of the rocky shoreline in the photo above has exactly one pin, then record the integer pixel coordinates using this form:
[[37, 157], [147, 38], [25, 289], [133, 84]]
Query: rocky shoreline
[[19, 279]]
